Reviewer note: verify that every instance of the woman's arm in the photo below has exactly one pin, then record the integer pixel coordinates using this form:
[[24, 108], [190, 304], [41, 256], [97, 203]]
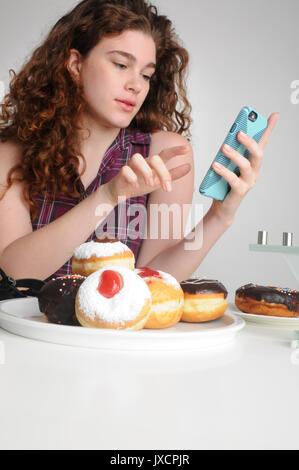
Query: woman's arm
[[182, 259], [170, 251], [167, 212], [38, 254]]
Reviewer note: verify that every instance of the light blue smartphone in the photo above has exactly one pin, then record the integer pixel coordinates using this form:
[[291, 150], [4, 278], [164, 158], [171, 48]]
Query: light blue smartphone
[[254, 125]]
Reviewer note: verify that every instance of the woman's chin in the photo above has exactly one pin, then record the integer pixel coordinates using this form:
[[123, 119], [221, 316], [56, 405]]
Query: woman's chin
[[121, 123]]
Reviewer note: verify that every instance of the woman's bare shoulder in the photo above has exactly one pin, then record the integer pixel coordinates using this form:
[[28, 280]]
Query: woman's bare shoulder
[[10, 155], [166, 139], [163, 139], [15, 219]]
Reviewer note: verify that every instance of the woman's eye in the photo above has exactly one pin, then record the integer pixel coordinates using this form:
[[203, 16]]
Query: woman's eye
[[121, 66]]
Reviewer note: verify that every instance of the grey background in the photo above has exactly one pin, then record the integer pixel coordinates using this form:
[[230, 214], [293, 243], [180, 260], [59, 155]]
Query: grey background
[[242, 53]]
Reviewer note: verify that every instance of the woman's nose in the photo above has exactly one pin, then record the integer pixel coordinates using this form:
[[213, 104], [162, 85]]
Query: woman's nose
[[134, 84]]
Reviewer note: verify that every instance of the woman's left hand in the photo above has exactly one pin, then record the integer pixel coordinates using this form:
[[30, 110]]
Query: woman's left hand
[[249, 171]]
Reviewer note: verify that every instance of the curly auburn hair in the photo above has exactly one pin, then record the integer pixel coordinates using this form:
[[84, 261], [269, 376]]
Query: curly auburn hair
[[42, 109]]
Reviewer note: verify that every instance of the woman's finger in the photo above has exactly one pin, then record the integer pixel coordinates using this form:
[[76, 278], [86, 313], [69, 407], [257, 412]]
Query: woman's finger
[[129, 175], [246, 170], [140, 166], [162, 173], [171, 152], [255, 150], [232, 179], [271, 124], [180, 171]]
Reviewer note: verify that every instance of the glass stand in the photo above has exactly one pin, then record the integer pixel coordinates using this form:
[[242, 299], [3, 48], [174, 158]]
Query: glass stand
[[289, 253], [291, 256]]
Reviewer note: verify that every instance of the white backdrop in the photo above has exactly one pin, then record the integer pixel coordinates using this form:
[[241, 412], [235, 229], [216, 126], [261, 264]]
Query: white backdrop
[[242, 53]]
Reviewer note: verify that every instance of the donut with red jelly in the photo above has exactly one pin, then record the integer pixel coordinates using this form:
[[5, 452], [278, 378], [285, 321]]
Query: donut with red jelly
[[115, 298], [268, 300], [92, 256], [56, 299], [204, 300], [167, 298]]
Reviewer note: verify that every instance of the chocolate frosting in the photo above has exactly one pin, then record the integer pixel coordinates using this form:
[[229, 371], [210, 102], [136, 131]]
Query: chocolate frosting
[[271, 294], [203, 286], [57, 299]]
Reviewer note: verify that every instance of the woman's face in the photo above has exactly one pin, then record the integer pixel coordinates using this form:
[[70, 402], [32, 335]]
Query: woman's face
[[116, 77]]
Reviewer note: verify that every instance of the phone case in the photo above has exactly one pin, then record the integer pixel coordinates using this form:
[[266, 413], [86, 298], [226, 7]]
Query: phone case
[[213, 185]]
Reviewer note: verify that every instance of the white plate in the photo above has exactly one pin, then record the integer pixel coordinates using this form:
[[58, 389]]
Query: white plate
[[267, 320], [22, 317]]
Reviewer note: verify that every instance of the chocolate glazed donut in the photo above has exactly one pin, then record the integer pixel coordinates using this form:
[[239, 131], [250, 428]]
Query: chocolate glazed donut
[[267, 300], [203, 286], [56, 299], [204, 300]]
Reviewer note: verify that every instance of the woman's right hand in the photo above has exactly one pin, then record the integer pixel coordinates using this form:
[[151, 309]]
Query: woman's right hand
[[143, 176]]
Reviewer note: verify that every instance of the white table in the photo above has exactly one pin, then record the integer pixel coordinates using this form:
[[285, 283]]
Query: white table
[[243, 395]]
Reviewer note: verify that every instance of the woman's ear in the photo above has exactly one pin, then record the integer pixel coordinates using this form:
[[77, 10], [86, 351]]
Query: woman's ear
[[74, 64]]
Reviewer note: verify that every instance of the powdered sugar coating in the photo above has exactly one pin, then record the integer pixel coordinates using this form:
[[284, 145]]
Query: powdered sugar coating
[[89, 249], [126, 305], [166, 277]]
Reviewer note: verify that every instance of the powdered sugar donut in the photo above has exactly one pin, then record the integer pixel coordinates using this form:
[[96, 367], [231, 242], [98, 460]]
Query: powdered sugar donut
[[167, 298], [92, 256], [115, 298]]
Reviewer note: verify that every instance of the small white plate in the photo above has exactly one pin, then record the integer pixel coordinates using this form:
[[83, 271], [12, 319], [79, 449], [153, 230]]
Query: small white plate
[[22, 317], [267, 320]]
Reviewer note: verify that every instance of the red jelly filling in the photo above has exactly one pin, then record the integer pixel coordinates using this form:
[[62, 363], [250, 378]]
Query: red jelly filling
[[111, 282], [147, 272]]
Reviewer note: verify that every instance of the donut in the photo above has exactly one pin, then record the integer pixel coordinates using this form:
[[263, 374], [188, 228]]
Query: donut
[[204, 300], [167, 298], [56, 299], [92, 256], [115, 298], [267, 300]]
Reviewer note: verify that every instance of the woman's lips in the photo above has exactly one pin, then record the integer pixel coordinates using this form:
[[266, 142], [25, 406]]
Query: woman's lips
[[126, 106]]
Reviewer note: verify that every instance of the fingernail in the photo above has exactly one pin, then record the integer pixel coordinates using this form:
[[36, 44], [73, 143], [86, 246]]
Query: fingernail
[[168, 186]]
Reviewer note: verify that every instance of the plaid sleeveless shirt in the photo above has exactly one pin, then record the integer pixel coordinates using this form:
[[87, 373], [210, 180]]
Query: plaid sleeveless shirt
[[122, 223]]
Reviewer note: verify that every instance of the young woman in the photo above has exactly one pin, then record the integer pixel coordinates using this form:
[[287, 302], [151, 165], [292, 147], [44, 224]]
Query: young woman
[[99, 112]]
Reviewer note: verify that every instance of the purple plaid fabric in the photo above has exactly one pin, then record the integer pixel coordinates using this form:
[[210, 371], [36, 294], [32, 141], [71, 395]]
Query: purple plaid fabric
[[127, 221]]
